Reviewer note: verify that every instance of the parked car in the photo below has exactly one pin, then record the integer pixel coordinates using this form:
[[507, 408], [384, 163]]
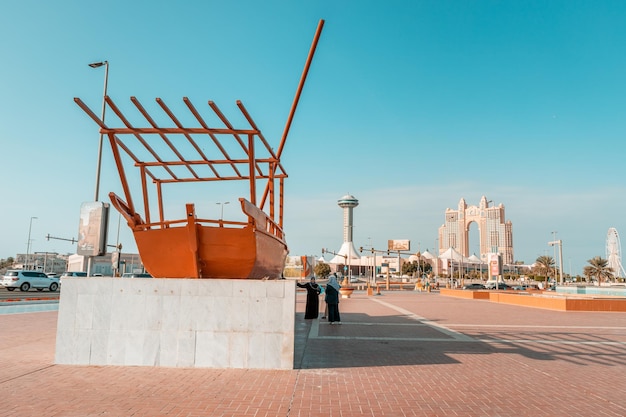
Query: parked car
[[474, 286], [133, 275], [25, 280], [501, 286], [523, 287], [71, 274]]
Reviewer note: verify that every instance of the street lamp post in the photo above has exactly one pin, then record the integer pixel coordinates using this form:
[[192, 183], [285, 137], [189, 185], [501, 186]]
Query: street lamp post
[[99, 163], [461, 268], [30, 226], [481, 266], [104, 64], [373, 267], [437, 252], [419, 259], [373, 277], [222, 210], [558, 243], [555, 264]]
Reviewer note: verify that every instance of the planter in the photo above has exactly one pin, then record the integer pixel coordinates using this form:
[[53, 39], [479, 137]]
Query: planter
[[346, 292]]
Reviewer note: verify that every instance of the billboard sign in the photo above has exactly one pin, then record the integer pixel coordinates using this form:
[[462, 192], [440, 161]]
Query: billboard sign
[[495, 264], [92, 230], [399, 244]]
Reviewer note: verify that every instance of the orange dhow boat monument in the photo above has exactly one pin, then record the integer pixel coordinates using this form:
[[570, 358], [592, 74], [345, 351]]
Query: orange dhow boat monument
[[193, 247]]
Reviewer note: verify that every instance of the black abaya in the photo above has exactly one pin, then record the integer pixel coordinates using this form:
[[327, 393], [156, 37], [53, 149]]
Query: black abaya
[[312, 300]]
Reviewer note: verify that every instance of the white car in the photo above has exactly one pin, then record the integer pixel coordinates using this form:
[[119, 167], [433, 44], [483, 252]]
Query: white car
[[70, 274], [25, 280]]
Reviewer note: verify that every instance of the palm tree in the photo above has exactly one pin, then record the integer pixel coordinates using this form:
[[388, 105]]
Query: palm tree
[[599, 269], [544, 266]]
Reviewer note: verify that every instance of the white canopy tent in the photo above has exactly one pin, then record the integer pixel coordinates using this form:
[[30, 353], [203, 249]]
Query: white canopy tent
[[453, 255], [474, 259]]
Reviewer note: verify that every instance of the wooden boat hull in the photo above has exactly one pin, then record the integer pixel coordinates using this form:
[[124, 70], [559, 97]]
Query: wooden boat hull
[[194, 248], [220, 253]]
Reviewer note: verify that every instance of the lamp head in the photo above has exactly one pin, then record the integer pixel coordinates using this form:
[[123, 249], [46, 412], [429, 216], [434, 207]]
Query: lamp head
[[97, 64]]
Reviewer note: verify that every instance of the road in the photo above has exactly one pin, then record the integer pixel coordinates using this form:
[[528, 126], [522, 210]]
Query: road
[[30, 295]]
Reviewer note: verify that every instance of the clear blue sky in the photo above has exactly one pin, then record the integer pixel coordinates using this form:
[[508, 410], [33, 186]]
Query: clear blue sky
[[409, 106]]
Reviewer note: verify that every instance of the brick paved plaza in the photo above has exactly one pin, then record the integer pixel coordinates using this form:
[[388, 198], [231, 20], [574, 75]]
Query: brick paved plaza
[[402, 353]]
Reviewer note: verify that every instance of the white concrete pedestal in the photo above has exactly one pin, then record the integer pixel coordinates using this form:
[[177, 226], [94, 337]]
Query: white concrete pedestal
[[200, 323]]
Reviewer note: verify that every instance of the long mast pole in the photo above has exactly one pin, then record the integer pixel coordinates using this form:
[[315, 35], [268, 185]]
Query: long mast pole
[[296, 99]]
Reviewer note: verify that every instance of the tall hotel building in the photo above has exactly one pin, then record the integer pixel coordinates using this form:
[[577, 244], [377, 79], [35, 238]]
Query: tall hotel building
[[495, 234]]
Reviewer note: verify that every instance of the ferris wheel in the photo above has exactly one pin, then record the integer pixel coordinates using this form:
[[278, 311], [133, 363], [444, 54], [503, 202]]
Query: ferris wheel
[[614, 253]]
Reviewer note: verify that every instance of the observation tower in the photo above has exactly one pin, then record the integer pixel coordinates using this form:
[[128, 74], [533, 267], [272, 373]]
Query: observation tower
[[347, 203]]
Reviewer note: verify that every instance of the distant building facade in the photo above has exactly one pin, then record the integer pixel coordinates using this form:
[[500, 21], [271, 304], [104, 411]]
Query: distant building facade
[[495, 233], [58, 263], [128, 262], [41, 261]]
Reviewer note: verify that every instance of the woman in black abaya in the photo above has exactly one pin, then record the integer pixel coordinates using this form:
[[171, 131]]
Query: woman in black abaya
[[312, 298], [332, 300]]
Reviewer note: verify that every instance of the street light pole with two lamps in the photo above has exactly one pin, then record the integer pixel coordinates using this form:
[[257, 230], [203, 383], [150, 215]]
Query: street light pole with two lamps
[[104, 64], [30, 226]]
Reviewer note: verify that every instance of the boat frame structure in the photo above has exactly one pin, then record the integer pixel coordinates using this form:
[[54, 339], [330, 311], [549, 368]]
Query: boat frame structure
[[193, 247]]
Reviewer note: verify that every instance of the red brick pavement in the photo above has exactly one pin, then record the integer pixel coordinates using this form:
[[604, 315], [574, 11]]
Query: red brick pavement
[[402, 353]]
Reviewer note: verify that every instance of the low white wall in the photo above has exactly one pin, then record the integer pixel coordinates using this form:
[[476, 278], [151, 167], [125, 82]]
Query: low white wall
[[204, 323]]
